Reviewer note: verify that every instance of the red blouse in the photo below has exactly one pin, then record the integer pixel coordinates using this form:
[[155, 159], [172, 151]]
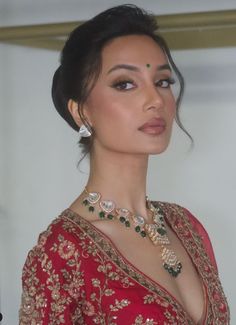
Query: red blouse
[[75, 275]]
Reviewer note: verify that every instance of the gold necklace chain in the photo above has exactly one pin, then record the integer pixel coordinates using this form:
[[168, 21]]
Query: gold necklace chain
[[155, 231]]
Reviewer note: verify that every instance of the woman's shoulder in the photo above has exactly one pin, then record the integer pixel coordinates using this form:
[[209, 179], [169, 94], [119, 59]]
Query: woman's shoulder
[[58, 243], [181, 212], [60, 227], [53, 273], [176, 210]]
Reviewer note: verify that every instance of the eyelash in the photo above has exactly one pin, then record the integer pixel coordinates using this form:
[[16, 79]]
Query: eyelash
[[119, 84], [170, 81]]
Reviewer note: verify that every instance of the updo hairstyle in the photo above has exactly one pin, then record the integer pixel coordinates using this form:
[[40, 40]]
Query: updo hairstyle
[[81, 58]]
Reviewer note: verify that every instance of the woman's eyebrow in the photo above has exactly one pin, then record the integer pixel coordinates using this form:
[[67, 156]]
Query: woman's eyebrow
[[123, 66], [129, 67], [162, 67]]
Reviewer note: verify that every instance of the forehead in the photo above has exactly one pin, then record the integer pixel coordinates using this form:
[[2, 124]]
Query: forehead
[[133, 49]]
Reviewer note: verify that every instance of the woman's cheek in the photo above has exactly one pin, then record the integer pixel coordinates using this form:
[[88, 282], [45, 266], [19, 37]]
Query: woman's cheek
[[172, 106]]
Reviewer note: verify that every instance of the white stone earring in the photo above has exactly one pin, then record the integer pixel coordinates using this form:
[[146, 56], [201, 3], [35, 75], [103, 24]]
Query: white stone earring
[[84, 131]]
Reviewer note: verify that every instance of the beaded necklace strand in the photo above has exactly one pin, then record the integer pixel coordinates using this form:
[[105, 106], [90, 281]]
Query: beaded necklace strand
[[155, 231]]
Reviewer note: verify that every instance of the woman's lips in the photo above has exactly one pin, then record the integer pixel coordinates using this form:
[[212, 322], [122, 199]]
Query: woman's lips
[[154, 126]]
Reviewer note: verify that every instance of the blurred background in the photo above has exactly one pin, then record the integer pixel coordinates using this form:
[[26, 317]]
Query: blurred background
[[39, 152]]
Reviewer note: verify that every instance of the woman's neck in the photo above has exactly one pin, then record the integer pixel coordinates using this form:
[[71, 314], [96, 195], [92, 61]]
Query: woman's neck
[[121, 178]]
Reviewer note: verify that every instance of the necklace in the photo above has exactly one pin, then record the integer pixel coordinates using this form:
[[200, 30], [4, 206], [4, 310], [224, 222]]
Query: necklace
[[156, 231]]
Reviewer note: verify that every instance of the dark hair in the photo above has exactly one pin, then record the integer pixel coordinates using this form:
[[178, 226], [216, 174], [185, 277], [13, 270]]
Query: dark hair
[[81, 58]]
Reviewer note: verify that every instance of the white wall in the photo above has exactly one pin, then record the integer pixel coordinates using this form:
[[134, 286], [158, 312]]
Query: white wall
[[21, 12], [38, 153]]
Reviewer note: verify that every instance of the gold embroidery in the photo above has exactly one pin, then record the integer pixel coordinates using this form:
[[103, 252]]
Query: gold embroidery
[[119, 304], [165, 300], [153, 298], [140, 321], [34, 293], [50, 289], [193, 243]]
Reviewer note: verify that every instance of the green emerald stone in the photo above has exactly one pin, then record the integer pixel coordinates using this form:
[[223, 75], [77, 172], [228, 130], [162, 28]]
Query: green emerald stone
[[127, 223], [85, 202], [110, 216], [161, 231], [143, 233], [137, 229], [101, 214], [173, 272], [91, 209], [122, 219]]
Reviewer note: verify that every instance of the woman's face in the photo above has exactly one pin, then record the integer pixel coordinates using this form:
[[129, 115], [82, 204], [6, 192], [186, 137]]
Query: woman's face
[[131, 107]]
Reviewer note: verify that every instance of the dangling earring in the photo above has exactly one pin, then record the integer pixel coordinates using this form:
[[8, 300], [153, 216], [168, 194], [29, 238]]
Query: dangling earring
[[84, 131]]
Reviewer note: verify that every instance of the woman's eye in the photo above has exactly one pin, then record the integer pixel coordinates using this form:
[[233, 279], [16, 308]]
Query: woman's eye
[[124, 85], [165, 83]]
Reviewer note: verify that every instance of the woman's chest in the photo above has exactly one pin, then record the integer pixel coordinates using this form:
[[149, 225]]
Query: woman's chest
[[116, 289], [120, 295], [147, 259]]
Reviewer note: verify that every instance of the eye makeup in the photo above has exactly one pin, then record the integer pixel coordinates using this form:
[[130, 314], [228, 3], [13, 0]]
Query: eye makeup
[[123, 84]]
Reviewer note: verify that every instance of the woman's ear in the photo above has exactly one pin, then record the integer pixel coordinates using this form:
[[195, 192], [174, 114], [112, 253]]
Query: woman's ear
[[73, 108], [78, 113]]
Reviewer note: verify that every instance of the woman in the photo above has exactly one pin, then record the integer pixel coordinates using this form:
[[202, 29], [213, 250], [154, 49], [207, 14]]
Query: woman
[[114, 256]]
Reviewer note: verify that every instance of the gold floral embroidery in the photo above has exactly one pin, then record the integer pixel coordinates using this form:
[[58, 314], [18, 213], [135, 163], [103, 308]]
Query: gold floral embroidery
[[172, 320], [88, 308], [66, 249], [36, 304], [192, 241], [104, 290], [153, 298], [63, 293], [104, 245], [66, 284], [140, 321], [119, 304]]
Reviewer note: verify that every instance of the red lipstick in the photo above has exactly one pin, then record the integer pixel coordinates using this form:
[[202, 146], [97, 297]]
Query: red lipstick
[[154, 126]]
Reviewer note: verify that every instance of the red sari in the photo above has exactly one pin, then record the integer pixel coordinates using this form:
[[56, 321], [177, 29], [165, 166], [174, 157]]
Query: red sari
[[75, 275]]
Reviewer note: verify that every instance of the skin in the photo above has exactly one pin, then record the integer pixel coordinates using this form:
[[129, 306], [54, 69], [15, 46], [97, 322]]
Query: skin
[[116, 116], [119, 157]]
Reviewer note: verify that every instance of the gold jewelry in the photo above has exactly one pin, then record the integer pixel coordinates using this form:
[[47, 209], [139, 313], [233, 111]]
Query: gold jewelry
[[155, 231]]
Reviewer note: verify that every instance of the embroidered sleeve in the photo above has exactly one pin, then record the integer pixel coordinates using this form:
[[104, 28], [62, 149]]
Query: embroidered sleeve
[[52, 281], [204, 235]]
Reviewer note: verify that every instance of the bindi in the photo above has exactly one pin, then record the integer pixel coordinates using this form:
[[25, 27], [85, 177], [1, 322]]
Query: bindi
[[148, 65]]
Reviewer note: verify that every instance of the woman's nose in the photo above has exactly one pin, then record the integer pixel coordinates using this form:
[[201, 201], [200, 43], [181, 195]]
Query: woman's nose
[[153, 98]]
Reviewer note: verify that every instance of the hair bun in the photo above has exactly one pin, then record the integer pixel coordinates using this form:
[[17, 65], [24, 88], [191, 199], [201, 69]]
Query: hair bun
[[60, 101]]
